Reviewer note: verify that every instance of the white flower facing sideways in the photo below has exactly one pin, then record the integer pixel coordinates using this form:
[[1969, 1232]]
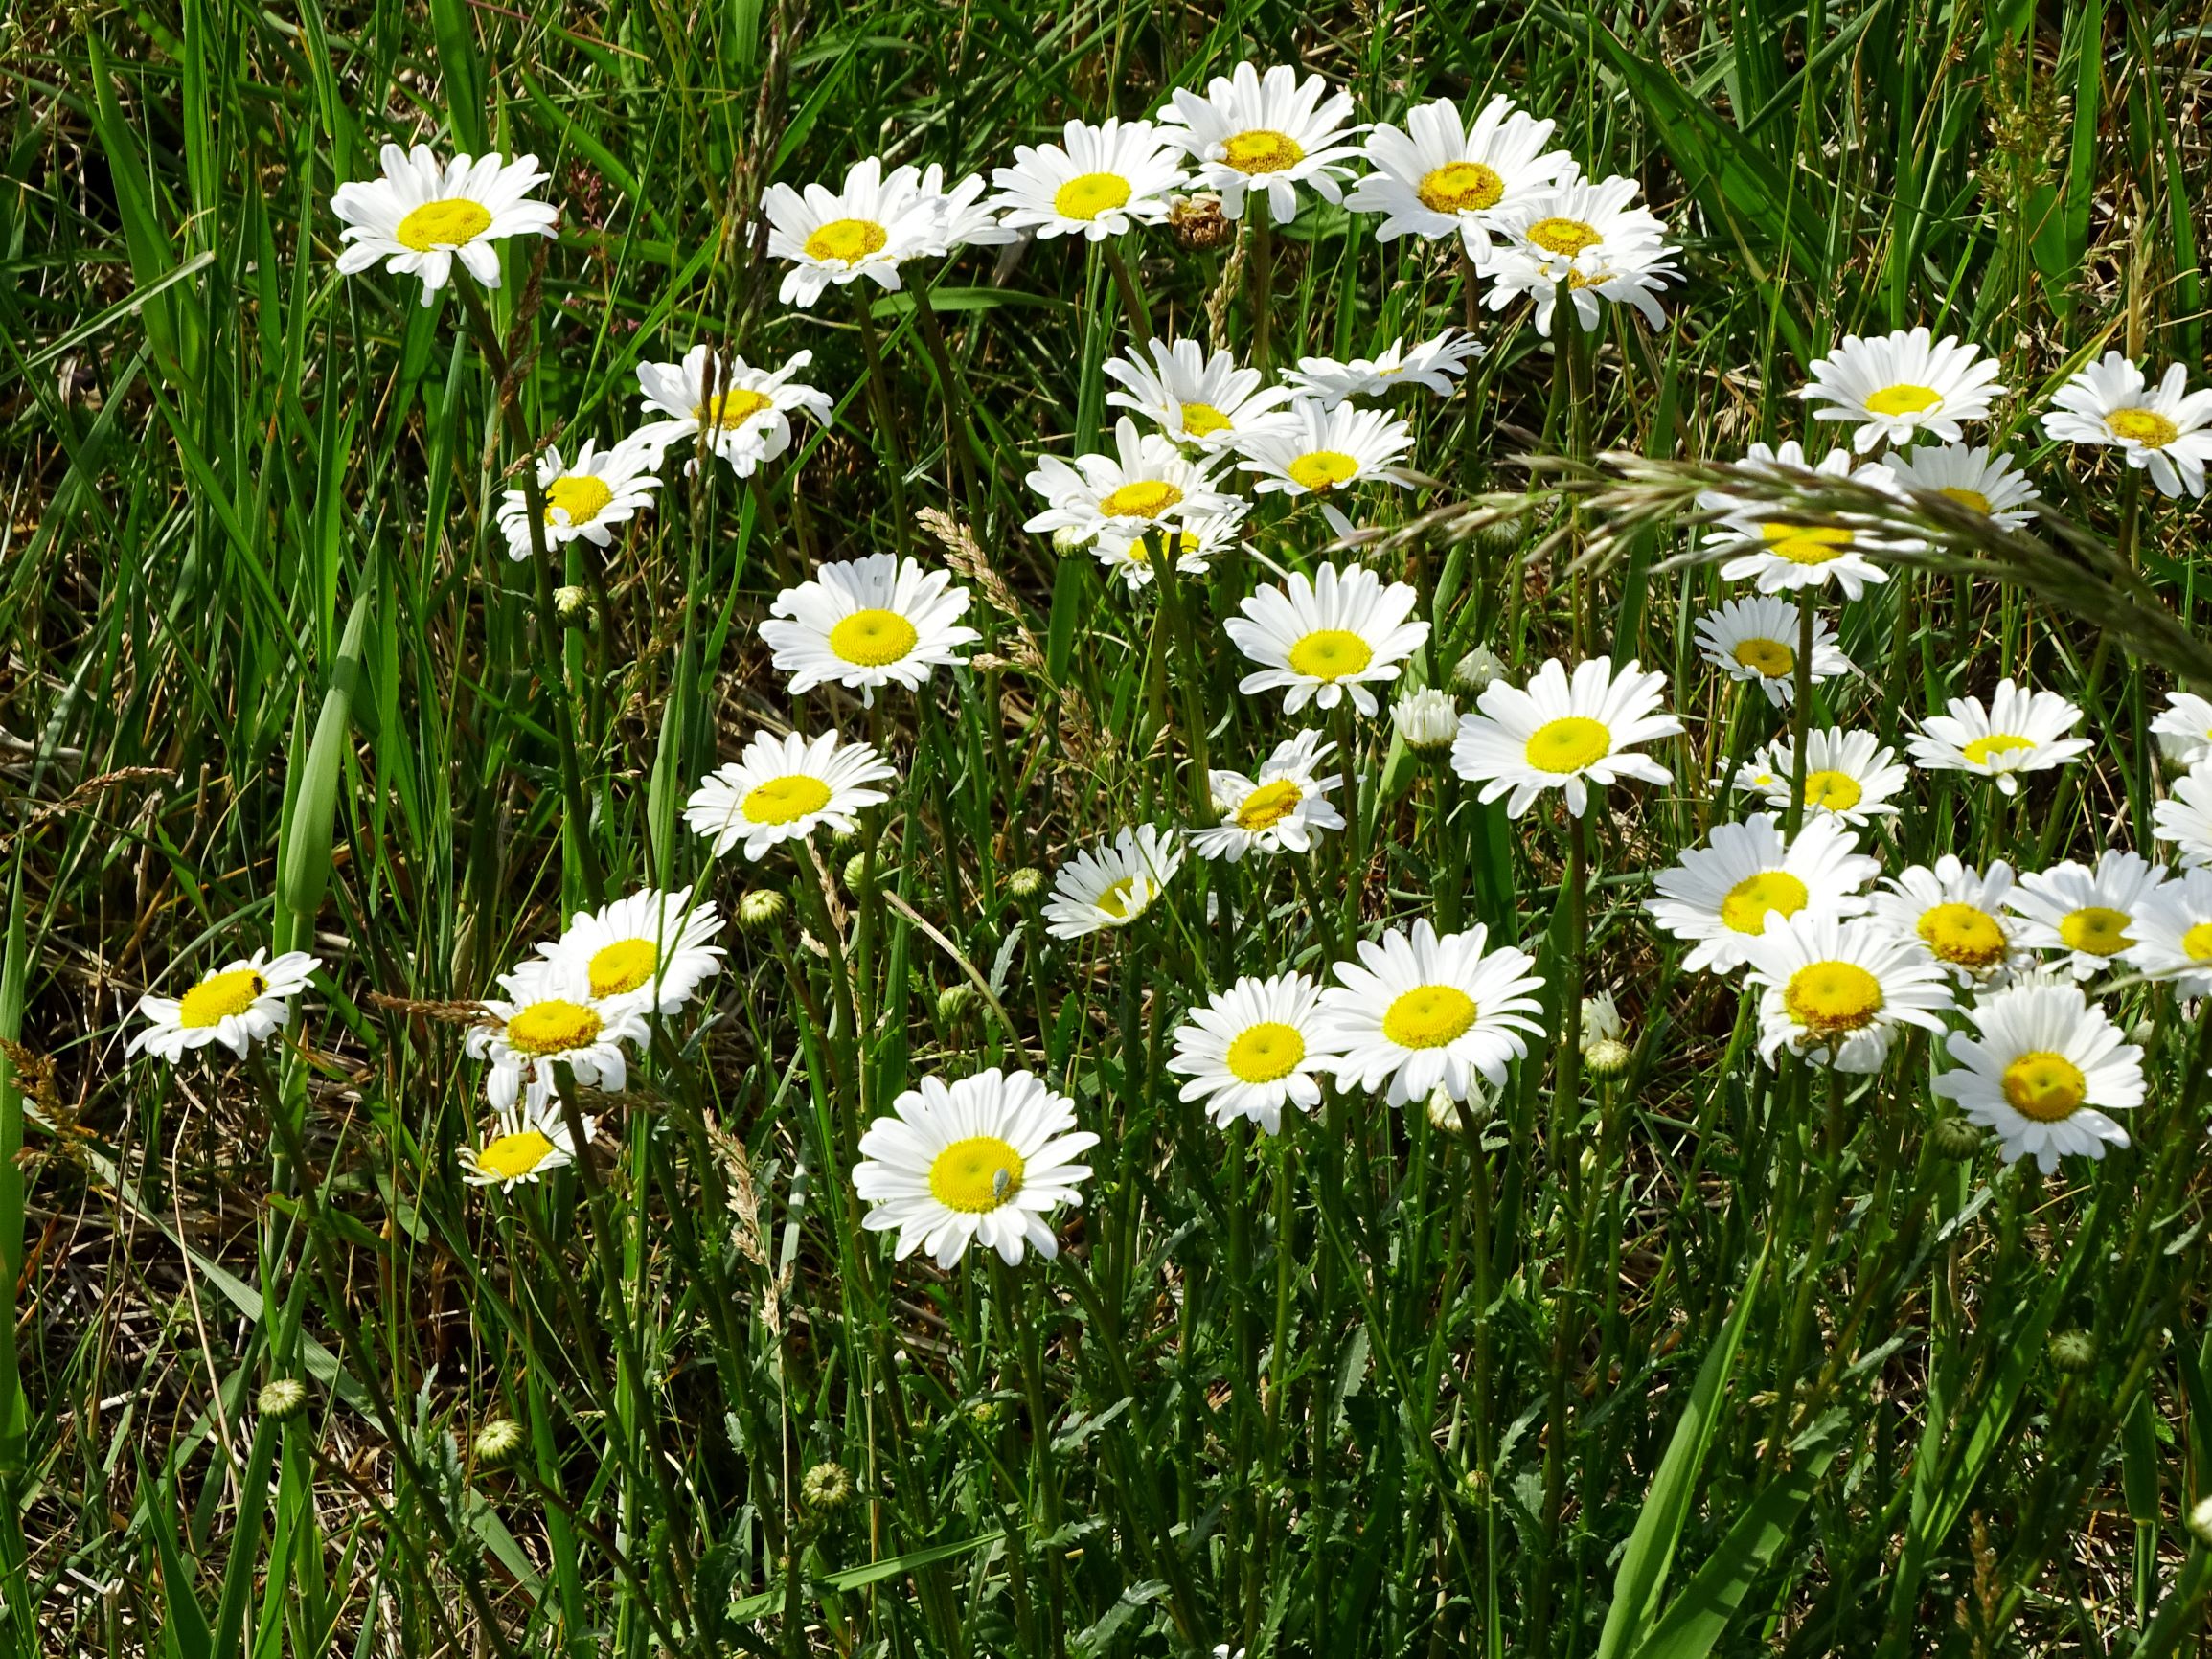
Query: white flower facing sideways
[[1956, 914], [1899, 385], [2045, 1065], [1254, 1049], [1279, 809], [1755, 640], [744, 414], [2183, 728], [1782, 556], [2019, 730], [1589, 236], [1193, 396], [1834, 990], [1984, 481], [1320, 449], [1417, 1014], [586, 497], [870, 227], [1327, 639], [240, 1004], [985, 1159], [1111, 883], [1437, 176], [866, 623], [526, 1143], [1434, 365], [782, 788], [2185, 819], [1746, 877], [1572, 734], [1266, 133], [423, 216], [1850, 775], [2172, 927], [549, 1018], [1196, 543], [2166, 431], [1097, 183], [1144, 488], [2081, 913], [656, 945]]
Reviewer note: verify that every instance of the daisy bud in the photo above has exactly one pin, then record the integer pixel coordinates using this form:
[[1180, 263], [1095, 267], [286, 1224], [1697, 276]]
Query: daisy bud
[[2143, 1032], [1958, 1137], [861, 876], [2200, 1522], [2072, 1350], [1025, 883], [762, 908], [956, 1002], [986, 1413], [1427, 720], [282, 1399], [826, 1487], [1504, 534], [497, 1441], [568, 602], [1070, 539], [1197, 221], [1474, 672], [1444, 1112], [1607, 1057]]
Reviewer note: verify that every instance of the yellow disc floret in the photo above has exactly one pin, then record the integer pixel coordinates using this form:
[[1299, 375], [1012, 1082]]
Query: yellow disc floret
[[1748, 904], [873, 638], [579, 495], [1266, 1052], [976, 1176], [782, 800], [1567, 745], [2096, 929], [623, 967], [218, 996], [1832, 998], [847, 241], [1268, 805], [1428, 1017], [1330, 654], [555, 1026], [2045, 1087], [511, 1158], [1460, 186], [1962, 934], [450, 223], [1263, 151]]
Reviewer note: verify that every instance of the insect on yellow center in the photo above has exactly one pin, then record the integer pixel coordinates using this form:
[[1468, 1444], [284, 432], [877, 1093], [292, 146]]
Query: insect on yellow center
[[1265, 1053], [1832, 999], [218, 996], [552, 1027], [511, 1158], [1263, 151], [1837, 791], [1568, 744], [1322, 469], [781, 800], [1769, 657], [2045, 1087], [1962, 934], [1974, 500], [1330, 654], [727, 411], [847, 241], [450, 223], [580, 495], [1089, 194], [2197, 942], [1428, 1017], [1201, 418], [873, 638], [1567, 238], [2145, 427], [2096, 930], [1119, 903], [623, 967], [1806, 543], [976, 1176], [1268, 805], [1903, 399], [1460, 186], [1982, 751], [1140, 498], [1753, 899]]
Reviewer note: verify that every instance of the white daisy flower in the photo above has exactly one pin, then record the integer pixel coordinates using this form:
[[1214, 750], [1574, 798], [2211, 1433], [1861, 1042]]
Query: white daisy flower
[[1426, 721], [1327, 639], [2167, 431], [1955, 913], [1834, 990], [1417, 1014], [2082, 912], [1748, 877], [2172, 927], [1438, 178], [1320, 450], [1194, 398], [2019, 731], [1434, 365], [1098, 183], [240, 1004], [1276, 812], [2183, 728], [982, 1159], [1847, 774], [1589, 236], [1780, 556], [1983, 481], [1197, 542], [1111, 883], [2048, 1067], [526, 1143], [782, 788], [586, 497], [869, 228], [744, 412], [421, 217], [2186, 819], [866, 623], [1253, 1050], [964, 217], [659, 946], [1268, 133], [1756, 640], [1563, 734], [1146, 486], [550, 1018], [1902, 384]]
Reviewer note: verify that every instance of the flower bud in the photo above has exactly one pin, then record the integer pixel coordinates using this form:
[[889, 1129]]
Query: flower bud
[[762, 908], [826, 1487], [1958, 1137], [1427, 720], [2200, 1522], [497, 1441], [281, 1398], [1478, 671], [1448, 1115], [956, 1002], [1025, 883], [1068, 538], [861, 876], [1607, 1057], [2072, 1350], [568, 604]]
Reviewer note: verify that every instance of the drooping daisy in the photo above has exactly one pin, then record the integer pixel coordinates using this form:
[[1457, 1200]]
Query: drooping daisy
[[2047, 1066], [2081, 913], [1781, 556], [1955, 913], [550, 1018], [1589, 236], [527, 1144], [2186, 819], [1269, 133], [869, 228], [239, 1005], [421, 217], [1194, 398], [1983, 481], [1847, 774], [659, 946], [984, 1158], [1434, 365], [1747, 877], [2167, 431], [1439, 177], [1111, 883], [866, 623], [585, 497], [1563, 733], [1418, 1013], [1097, 183], [2183, 728], [2172, 927], [1276, 812], [1756, 640], [1327, 639], [745, 413], [2019, 731], [1146, 486], [1254, 1049], [1902, 384], [1835, 989], [1320, 449], [782, 788]]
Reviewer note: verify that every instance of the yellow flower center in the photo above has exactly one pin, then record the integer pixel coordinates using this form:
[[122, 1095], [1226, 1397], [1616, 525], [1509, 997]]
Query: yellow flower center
[[1201, 419], [1263, 151], [727, 411], [1983, 750], [1140, 498], [1806, 543], [1330, 654], [1268, 805], [1460, 186], [847, 241], [218, 996], [1428, 1017], [1323, 468], [1769, 657], [443, 224], [2045, 1087], [2197, 942], [781, 800], [1568, 744], [872, 638], [622, 965], [2096, 930], [1089, 194], [1829, 999], [580, 495], [552, 1027], [1972, 499], [1565, 238], [511, 1158], [1754, 898], [1118, 902], [976, 1176], [1903, 399], [1962, 934], [1837, 791], [2145, 427], [1265, 1053]]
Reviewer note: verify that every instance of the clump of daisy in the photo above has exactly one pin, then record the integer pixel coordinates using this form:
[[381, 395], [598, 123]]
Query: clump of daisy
[[1755, 640], [782, 788], [586, 497], [526, 1143], [1254, 1049], [742, 414], [422, 216], [866, 623], [1419, 1012], [1269, 134], [1097, 183], [1902, 384], [2019, 730], [2081, 913], [2171, 925], [1329, 637], [1850, 775], [1835, 989], [1279, 809], [1440, 177], [1781, 555], [1434, 365], [656, 945], [1147, 488], [1592, 238], [1193, 396], [2187, 818], [2044, 1067], [550, 1018], [1984, 481], [240, 1004], [2167, 432], [1747, 877], [1955, 913], [1112, 884], [1320, 450], [869, 227], [1570, 733]]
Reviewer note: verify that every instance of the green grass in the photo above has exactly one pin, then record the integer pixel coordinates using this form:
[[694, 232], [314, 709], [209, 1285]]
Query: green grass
[[1705, 1358]]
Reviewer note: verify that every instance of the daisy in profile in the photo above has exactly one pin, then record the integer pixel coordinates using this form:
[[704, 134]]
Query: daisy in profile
[[2183, 728], [1848, 775], [1593, 238], [869, 228], [964, 217], [1955, 913], [742, 414], [586, 497], [1146, 486], [1327, 639], [2172, 927], [866, 623], [1253, 1050], [1434, 365], [2045, 1065], [658, 946], [1755, 641], [1983, 481], [1194, 398], [1197, 542], [1562, 733], [1720, 897], [1439, 176], [1320, 450], [1902, 384], [782, 788], [2081, 913], [1782, 557], [526, 1143], [423, 216], [1278, 810], [1111, 883], [240, 1004], [1835, 989], [2167, 432], [2019, 731], [985, 1159], [1269, 133], [1417, 1014], [2186, 819], [550, 1018], [1097, 183]]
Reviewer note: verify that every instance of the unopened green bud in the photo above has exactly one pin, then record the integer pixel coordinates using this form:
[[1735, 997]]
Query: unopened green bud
[[826, 1487], [497, 1441], [282, 1399], [2072, 1350], [1025, 883], [861, 876], [1956, 1137], [1476, 671], [956, 1002], [763, 907]]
